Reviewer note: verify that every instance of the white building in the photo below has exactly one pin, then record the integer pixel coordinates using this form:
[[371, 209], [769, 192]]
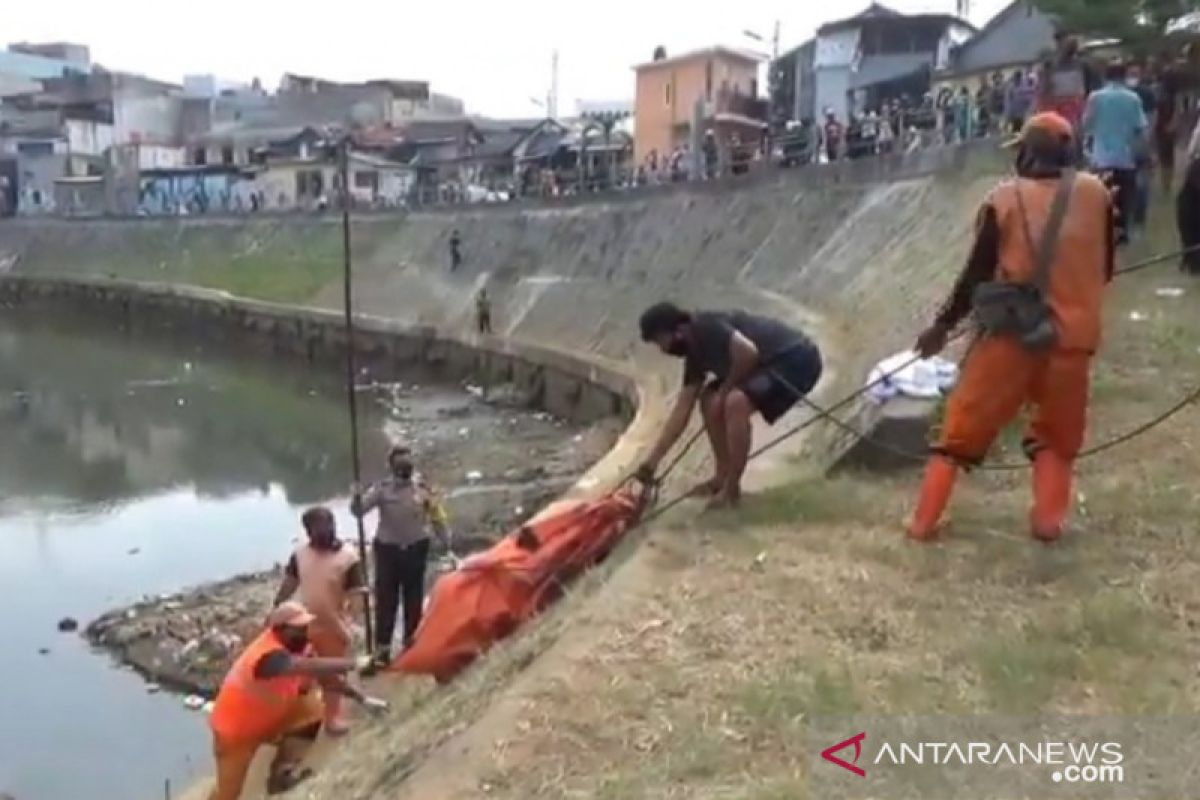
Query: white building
[[879, 55]]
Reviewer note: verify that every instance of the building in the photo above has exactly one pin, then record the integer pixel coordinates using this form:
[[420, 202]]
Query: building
[[41, 61], [796, 93], [717, 86], [877, 55], [68, 125], [1016, 38]]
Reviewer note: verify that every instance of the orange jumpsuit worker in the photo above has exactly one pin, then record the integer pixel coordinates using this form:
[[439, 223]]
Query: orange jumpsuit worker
[[1000, 374], [270, 697], [325, 574]]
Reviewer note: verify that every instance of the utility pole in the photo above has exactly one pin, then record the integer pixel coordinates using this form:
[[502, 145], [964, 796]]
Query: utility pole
[[552, 99]]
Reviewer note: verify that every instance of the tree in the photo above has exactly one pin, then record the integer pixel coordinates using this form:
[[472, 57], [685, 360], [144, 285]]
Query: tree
[[1132, 21]]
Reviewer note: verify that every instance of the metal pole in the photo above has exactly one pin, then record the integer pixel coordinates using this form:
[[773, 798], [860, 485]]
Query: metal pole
[[351, 375]]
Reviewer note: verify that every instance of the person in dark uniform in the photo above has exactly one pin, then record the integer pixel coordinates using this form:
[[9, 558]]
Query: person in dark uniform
[[455, 250], [752, 365], [483, 312]]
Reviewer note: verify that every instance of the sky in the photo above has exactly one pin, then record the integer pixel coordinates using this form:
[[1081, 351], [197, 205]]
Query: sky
[[496, 56]]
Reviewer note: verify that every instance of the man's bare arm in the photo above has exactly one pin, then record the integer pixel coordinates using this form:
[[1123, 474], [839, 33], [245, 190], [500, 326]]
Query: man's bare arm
[[675, 425]]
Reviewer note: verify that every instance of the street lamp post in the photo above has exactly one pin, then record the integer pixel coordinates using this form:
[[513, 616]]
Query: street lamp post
[[771, 80]]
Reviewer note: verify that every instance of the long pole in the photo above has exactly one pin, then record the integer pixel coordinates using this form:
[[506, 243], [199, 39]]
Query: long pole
[[351, 395]]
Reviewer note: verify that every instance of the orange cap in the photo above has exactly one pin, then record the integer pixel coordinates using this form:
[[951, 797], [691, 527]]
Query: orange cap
[[1047, 122], [289, 613]]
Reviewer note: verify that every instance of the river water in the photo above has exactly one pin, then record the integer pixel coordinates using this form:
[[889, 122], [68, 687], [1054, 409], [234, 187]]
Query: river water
[[138, 468]]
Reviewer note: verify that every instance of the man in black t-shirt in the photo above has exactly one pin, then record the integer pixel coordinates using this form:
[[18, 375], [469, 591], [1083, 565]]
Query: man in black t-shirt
[[756, 364]]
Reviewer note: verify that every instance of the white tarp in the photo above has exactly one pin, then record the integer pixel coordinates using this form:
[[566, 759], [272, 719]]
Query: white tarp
[[928, 378]]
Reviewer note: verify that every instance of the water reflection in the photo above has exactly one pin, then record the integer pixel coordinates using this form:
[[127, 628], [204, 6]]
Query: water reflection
[[131, 467], [90, 421]]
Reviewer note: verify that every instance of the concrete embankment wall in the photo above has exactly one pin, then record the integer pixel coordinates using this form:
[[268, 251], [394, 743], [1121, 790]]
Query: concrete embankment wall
[[859, 254]]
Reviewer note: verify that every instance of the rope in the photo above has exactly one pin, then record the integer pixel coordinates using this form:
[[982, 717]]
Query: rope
[[1154, 260]]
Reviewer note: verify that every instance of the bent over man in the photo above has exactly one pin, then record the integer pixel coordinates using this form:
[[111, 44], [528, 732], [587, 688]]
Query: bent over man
[[1036, 279], [757, 365], [271, 696]]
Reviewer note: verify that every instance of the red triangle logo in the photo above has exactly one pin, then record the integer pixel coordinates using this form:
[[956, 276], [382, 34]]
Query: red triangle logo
[[828, 754]]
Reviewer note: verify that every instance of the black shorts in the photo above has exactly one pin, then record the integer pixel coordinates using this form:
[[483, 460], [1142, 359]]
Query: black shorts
[[780, 383]]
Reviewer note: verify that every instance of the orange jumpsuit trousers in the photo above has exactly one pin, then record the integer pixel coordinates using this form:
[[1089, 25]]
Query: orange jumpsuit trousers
[[999, 377], [235, 757]]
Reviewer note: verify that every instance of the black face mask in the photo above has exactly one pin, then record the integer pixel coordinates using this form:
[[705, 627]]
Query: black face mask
[[678, 347], [295, 640], [403, 470]]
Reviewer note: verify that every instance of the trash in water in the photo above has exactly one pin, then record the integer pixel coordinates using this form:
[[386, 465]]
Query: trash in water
[[43, 651], [68, 624], [1169, 291], [181, 402], [464, 432], [153, 688], [131, 614], [519, 510], [578, 438], [133, 551], [474, 476], [474, 391], [1137, 316], [194, 702]]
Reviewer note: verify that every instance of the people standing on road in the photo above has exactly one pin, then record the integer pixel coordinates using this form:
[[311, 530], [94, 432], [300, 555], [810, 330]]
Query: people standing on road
[[887, 134], [1137, 83], [834, 135], [1115, 124], [407, 510], [483, 312], [962, 115], [868, 134], [325, 575], [758, 365], [1169, 82], [1065, 82], [1187, 207], [272, 696], [455, 250], [712, 155], [1052, 229], [997, 100], [982, 123], [1018, 101]]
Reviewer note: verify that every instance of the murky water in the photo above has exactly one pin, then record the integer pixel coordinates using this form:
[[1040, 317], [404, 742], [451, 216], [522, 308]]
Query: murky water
[[133, 468]]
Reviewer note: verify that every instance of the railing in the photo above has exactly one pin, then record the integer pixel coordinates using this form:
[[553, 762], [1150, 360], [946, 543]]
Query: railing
[[792, 151]]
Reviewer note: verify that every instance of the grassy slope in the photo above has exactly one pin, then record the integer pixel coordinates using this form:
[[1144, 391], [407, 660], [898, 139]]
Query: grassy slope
[[811, 601]]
